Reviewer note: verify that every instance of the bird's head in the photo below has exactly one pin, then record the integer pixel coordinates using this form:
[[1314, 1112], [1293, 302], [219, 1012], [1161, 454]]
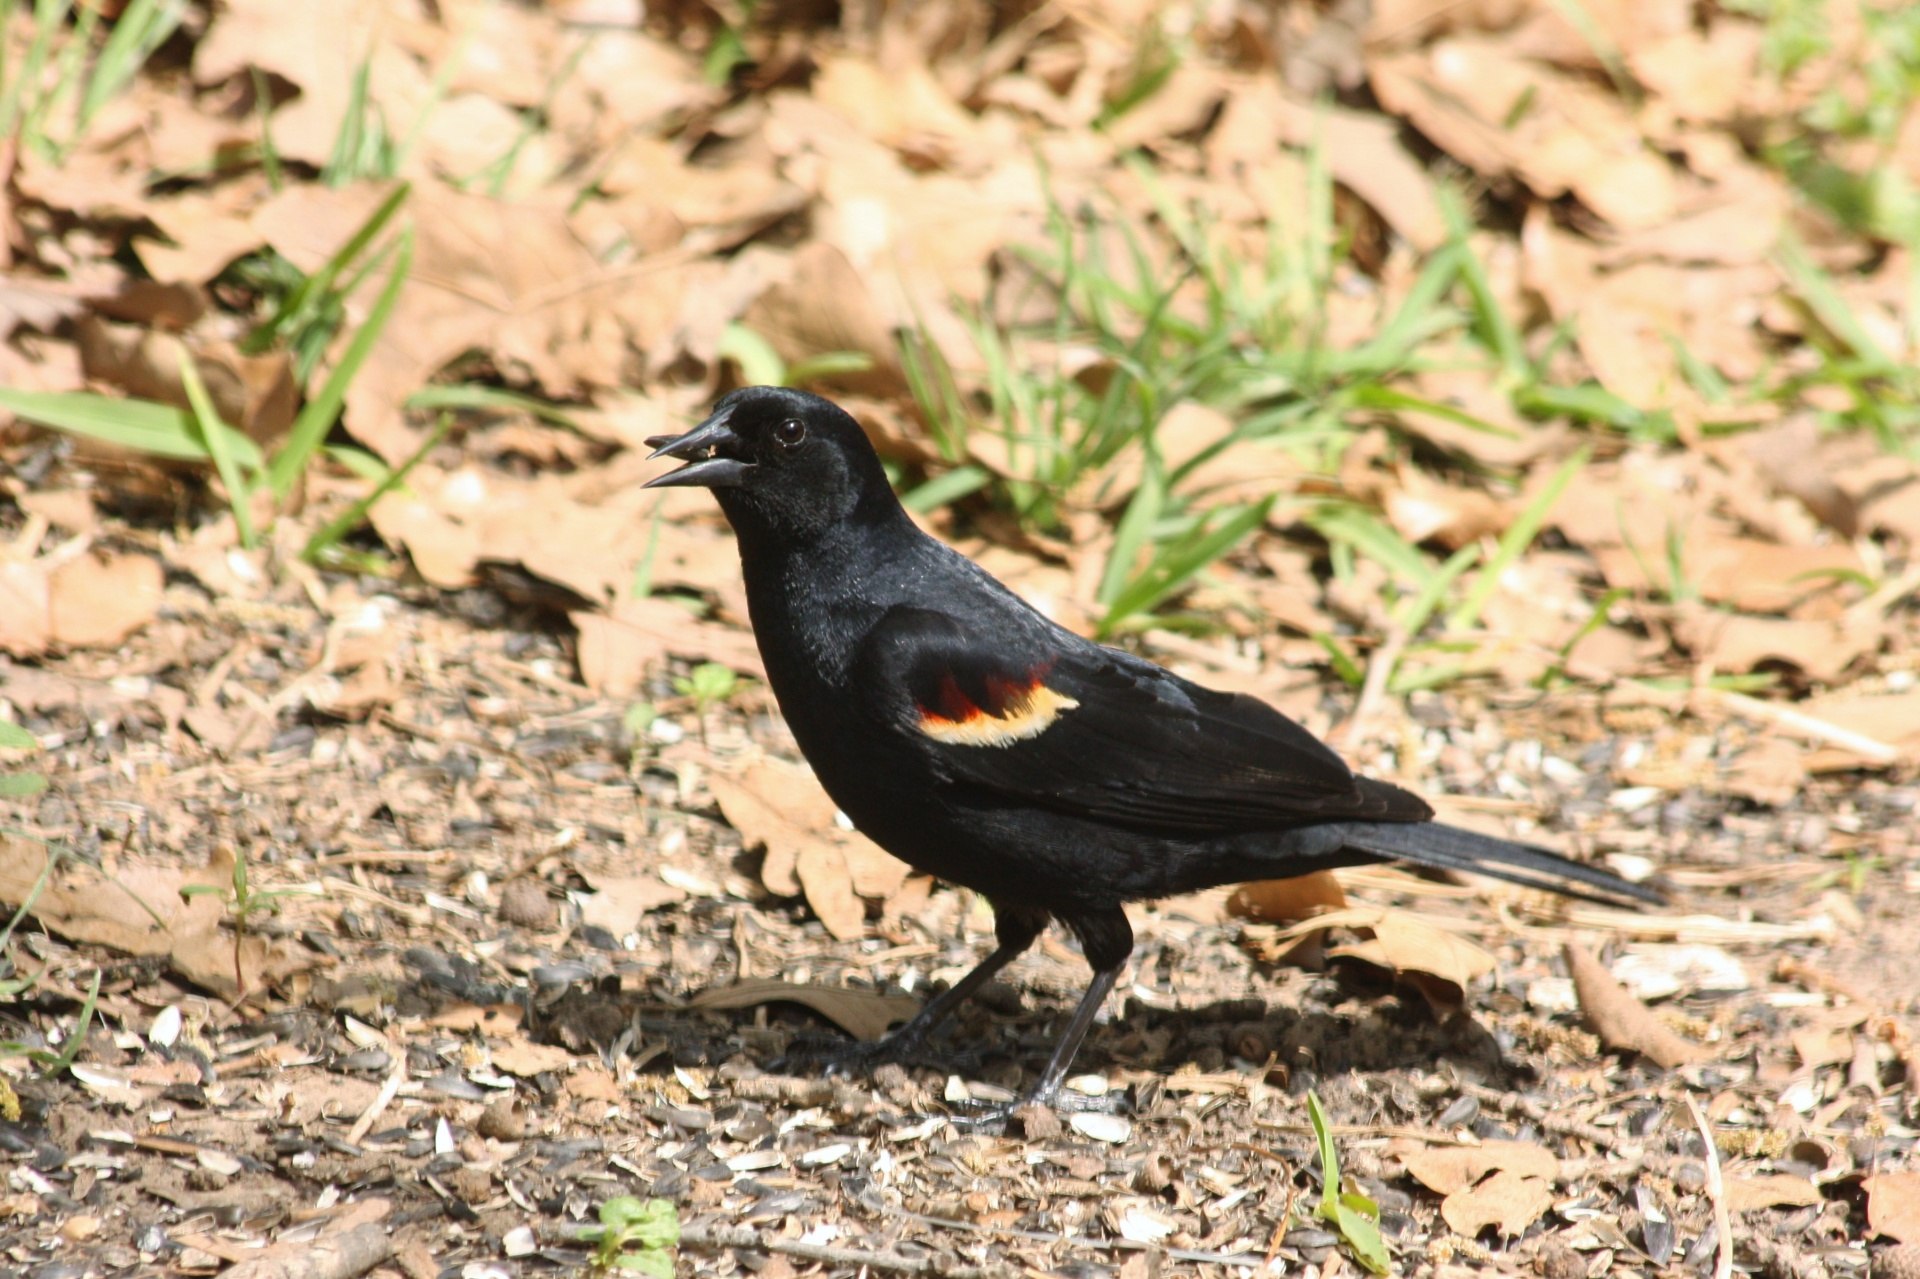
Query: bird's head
[[781, 461]]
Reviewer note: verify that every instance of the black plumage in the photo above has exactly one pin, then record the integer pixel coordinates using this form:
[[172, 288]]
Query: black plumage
[[975, 739]]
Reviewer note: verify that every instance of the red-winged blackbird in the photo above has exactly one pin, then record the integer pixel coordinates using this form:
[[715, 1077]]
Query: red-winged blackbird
[[973, 738]]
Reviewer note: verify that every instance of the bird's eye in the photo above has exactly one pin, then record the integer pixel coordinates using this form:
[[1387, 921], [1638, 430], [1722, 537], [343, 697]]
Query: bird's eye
[[790, 433]]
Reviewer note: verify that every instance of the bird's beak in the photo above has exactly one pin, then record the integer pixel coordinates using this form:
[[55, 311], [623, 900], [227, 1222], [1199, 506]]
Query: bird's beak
[[705, 450]]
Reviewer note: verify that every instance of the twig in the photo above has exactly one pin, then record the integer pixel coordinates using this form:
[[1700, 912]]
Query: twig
[[1514, 1103], [382, 1099], [1808, 726], [1373, 689], [1717, 1192], [1077, 1241], [716, 1237]]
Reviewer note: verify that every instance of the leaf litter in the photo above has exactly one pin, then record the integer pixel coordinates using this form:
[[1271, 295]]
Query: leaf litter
[[1702, 663]]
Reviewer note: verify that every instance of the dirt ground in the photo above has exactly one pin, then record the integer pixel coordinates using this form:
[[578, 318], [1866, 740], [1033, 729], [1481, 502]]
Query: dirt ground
[[446, 1031], [408, 895]]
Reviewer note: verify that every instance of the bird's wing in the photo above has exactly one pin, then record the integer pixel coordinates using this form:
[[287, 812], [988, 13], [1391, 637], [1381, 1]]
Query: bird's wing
[[1095, 732]]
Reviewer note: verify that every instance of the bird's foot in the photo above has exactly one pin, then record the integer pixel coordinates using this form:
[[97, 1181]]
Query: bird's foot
[[993, 1116]]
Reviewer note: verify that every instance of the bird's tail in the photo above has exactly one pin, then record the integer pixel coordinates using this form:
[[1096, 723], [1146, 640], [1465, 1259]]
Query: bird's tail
[[1451, 848]]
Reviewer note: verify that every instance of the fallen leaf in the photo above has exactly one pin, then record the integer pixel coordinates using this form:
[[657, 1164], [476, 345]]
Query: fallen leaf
[[1771, 771], [93, 599], [136, 908], [1438, 963], [827, 882], [1771, 1190], [1282, 901], [618, 901], [808, 853], [1449, 1170], [1507, 1201], [525, 1058], [1893, 1205], [1622, 1021], [861, 1013]]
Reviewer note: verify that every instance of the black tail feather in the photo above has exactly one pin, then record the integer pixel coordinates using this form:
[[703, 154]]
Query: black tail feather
[[1451, 848]]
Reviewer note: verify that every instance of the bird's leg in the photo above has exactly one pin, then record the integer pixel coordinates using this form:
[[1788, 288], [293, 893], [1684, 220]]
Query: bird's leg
[[1016, 928], [1107, 940]]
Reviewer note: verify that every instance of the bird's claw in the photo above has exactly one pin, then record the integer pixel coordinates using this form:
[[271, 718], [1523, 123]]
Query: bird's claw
[[981, 1116]]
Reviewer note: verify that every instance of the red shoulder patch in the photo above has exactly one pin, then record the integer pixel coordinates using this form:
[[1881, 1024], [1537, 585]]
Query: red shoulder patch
[[1013, 711]]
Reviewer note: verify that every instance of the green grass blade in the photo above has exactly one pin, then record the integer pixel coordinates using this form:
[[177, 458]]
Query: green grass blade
[[323, 542], [1388, 399], [1367, 534], [52, 1064], [269, 151], [1130, 535], [1417, 609], [49, 18], [143, 26], [1495, 327], [317, 418], [760, 364], [1355, 1216], [160, 430], [469, 397], [215, 434], [1171, 569], [1812, 287], [305, 298], [948, 487], [1517, 538]]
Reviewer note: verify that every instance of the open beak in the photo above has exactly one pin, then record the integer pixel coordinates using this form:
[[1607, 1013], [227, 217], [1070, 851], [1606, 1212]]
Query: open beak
[[704, 449]]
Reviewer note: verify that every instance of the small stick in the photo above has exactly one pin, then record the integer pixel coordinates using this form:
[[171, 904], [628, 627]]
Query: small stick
[[1514, 1103], [1819, 730], [714, 1237], [1717, 1192]]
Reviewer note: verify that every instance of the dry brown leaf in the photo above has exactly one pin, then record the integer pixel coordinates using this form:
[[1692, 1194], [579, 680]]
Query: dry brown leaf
[[1892, 719], [1282, 901], [526, 1059], [1770, 1190], [1421, 508], [69, 510], [515, 280], [1744, 573], [773, 805], [100, 599], [827, 882], [807, 852], [1568, 137], [620, 646], [1893, 1205], [1449, 1170], [1622, 1021], [1185, 432], [904, 107], [1772, 771], [320, 49], [1507, 1201], [1438, 963], [254, 393], [76, 601], [861, 1013], [1738, 642], [618, 901], [823, 306], [205, 231], [137, 909], [37, 304]]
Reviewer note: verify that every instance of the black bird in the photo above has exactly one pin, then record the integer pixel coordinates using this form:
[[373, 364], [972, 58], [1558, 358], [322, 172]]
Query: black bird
[[973, 738]]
